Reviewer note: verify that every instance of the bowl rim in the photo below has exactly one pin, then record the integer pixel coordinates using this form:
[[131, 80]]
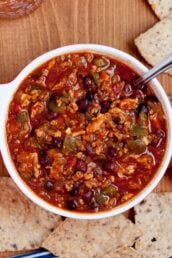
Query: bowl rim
[[108, 51]]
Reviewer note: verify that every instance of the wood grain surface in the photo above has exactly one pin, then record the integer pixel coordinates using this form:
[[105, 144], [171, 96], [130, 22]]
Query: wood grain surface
[[62, 22]]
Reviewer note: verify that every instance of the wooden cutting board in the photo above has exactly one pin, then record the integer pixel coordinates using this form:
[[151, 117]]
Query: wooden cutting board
[[61, 22]]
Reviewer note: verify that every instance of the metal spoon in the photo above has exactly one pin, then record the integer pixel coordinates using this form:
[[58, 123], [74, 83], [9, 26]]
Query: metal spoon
[[157, 69]]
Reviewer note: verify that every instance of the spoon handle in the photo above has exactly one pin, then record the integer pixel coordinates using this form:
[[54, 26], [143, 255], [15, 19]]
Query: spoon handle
[[159, 68]]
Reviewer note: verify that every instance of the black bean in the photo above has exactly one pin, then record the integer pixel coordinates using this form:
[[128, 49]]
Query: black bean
[[90, 96], [116, 120], [112, 152], [105, 105], [89, 85], [71, 204], [81, 165], [82, 105], [93, 205], [44, 159], [58, 142], [75, 189], [142, 107], [53, 97], [110, 166], [49, 185]]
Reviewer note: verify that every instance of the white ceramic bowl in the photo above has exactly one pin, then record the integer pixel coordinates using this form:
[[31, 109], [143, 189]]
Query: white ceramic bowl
[[6, 94]]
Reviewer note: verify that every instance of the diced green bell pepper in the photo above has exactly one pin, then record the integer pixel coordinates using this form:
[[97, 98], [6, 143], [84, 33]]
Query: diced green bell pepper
[[138, 131], [99, 62], [22, 117], [69, 144], [136, 146]]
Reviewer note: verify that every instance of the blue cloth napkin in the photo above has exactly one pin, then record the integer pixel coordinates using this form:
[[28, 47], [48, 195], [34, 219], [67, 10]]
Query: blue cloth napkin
[[36, 254]]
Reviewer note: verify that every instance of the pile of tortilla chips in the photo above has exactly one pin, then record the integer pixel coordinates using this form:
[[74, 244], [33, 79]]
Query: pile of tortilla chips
[[23, 225], [156, 43]]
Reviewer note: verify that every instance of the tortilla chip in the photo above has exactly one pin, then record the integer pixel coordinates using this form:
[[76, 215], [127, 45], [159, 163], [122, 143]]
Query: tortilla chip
[[123, 252], [83, 238], [156, 43], [154, 217], [162, 8], [23, 225]]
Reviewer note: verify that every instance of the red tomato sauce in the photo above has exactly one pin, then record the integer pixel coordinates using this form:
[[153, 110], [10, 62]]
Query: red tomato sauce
[[82, 136]]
